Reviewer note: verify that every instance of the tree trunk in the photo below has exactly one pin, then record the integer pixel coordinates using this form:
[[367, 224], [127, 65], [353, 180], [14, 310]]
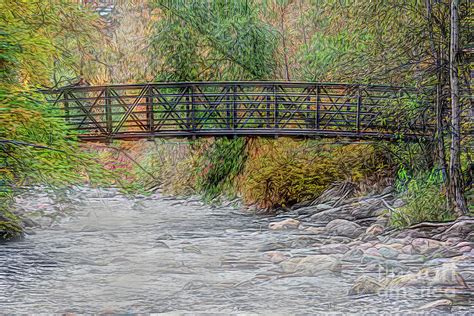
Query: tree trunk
[[439, 102], [455, 184]]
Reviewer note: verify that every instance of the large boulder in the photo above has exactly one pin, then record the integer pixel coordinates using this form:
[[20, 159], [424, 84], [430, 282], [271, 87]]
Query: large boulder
[[367, 209], [342, 227]]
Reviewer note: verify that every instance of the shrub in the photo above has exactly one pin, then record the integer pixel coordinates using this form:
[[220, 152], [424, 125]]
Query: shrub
[[218, 167], [283, 172], [361, 162], [285, 175], [424, 199]]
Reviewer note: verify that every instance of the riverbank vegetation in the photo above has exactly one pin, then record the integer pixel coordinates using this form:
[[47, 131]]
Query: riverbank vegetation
[[38, 48], [422, 44]]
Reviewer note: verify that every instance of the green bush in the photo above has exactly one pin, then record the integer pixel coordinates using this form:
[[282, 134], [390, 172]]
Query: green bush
[[424, 198], [10, 225], [219, 166]]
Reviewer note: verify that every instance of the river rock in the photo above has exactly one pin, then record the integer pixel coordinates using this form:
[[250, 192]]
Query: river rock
[[331, 214], [444, 252], [460, 229], [408, 249], [388, 252], [398, 203], [367, 209], [441, 305], [334, 248], [373, 252], [275, 256], [453, 241], [463, 244], [374, 230], [315, 230], [288, 223], [465, 249], [446, 275], [365, 285], [353, 255], [29, 223], [470, 237], [191, 249], [366, 245], [323, 207], [311, 265], [426, 245], [412, 233], [411, 258], [342, 227]]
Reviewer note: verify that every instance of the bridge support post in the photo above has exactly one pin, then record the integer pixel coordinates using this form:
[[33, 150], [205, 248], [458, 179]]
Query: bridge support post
[[188, 108], [317, 118], [275, 106], [149, 113], [234, 107], [228, 101], [359, 104], [66, 107], [193, 113], [108, 112], [269, 106]]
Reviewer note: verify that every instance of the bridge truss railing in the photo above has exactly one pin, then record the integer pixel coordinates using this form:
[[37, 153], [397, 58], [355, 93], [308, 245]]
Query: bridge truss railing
[[241, 108]]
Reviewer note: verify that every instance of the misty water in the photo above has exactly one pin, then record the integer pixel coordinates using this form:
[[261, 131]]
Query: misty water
[[158, 254]]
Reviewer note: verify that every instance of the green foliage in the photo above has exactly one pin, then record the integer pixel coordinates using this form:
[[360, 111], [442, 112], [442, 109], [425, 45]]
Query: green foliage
[[322, 56], [424, 199], [40, 148], [36, 147], [219, 166], [377, 41], [39, 41], [10, 225], [213, 40]]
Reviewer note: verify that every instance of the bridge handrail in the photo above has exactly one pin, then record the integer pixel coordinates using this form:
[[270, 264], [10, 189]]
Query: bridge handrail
[[179, 84]]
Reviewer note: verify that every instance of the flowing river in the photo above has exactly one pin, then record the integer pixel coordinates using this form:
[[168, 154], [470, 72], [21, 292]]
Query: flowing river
[[163, 255]]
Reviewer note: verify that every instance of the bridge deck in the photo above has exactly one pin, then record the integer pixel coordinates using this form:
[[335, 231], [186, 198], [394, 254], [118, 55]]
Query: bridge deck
[[241, 108]]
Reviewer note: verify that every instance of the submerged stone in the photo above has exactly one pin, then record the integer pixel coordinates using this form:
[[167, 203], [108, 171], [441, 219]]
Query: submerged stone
[[365, 285]]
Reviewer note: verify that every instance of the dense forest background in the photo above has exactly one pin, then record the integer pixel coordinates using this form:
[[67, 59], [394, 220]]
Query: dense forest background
[[46, 44]]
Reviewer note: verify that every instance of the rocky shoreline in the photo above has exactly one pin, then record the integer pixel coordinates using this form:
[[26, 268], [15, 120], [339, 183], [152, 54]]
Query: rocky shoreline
[[355, 231]]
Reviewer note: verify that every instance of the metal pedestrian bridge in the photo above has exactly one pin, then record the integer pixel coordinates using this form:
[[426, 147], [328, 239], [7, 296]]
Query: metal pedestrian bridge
[[263, 108]]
